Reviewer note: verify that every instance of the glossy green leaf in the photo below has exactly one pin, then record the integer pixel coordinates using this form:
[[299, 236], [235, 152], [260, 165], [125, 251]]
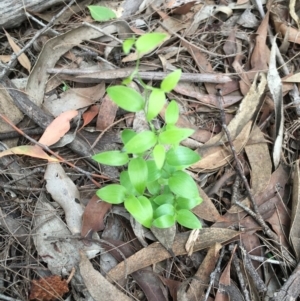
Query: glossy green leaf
[[183, 185], [172, 113], [164, 221], [112, 158], [126, 98], [141, 142], [165, 209], [138, 174], [187, 219], [154, 187], [149, 41], [127, 45], [126, 135], [170, 81], [181, 156], [140, 208], [113, 194], [187, 203], [101, 13], [174, 136], [159, 155], [156, 102], [166, 198]]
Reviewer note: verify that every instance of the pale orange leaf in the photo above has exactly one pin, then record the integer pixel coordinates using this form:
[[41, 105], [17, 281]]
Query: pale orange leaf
[[23, 59], [28, 150], [57, 128]]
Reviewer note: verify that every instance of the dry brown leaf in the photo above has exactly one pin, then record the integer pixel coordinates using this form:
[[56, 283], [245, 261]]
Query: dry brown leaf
[[293, 33], [201, 278], [206, 210], [107, 113], [156, 252], [260, 161], [294, 78], [93, 216], [5, 58], [89, 115], [99, 288], [203, 64], [57, 128], [28, 150], [217, 156], [260, 54], [23, 59], [294, 236], [74, 99]]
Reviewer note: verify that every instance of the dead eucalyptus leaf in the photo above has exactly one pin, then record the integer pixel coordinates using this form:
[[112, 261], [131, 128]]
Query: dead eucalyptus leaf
[[23, 59]]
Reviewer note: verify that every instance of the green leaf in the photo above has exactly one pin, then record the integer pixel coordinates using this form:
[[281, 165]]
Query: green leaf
[[113, 194], [190, 203], [126, 98], [164, 221], [125, 182], [149, 41], [170, 81], [138, 174], [153, 187], [159, 155], [153, 172], [141, 142], [165, 209], [183, 185], [126, 135], [166, 198], [127, 45], [112, 158], [156, 101], [167, 170], [181, 156], [140, 208], [172, 113], [187, 219], [174, 136], [101, 13]]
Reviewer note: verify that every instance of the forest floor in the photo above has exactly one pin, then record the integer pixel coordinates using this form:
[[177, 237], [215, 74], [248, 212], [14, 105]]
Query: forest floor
[[239, 92]]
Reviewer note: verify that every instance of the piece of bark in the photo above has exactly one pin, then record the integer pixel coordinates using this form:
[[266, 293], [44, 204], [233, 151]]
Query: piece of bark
[[12, 13]]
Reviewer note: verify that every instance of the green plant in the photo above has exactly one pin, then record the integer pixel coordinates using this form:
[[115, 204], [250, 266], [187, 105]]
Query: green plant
[[155, 188]]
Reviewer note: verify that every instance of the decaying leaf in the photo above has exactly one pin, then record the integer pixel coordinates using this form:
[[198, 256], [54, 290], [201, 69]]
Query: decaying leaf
[[93, 216], [201, 279], [28, 150], [66, 194], [107, 113], [89, 115], [295, 218], [74, 99], [57, 128], [156, 252], [23, 59], [99, 287], [274, 83], [217, 156]]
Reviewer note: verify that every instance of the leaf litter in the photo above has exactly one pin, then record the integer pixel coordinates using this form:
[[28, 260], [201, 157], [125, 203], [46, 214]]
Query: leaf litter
[[51, 220]]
